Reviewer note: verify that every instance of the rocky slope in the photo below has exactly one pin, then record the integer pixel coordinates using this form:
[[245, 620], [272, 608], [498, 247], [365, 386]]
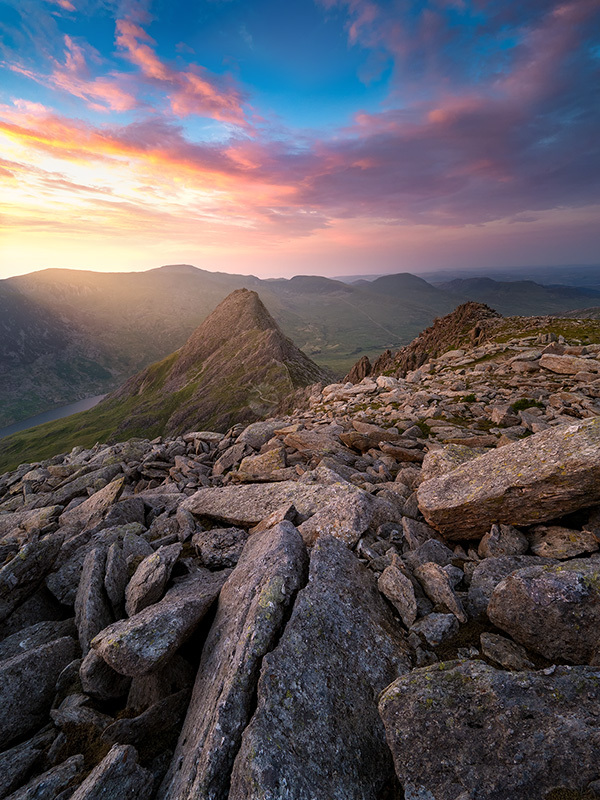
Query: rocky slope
[[392, 592]]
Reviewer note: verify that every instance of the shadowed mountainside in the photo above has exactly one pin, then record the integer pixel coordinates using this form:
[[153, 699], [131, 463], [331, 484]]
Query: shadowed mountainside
[[236, 367]]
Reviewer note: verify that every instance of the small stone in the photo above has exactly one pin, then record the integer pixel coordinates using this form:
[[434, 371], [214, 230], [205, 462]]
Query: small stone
[[400, 592], [439, 588], [503, 540], [436, 628], [505, 652], [554, 541], [148, 583]]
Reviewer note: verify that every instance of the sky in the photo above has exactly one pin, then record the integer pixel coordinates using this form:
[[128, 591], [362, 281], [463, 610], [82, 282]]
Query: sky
[[272, 137]]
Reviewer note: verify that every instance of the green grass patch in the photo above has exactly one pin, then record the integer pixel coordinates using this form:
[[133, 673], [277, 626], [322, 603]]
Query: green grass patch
[[524, 403]]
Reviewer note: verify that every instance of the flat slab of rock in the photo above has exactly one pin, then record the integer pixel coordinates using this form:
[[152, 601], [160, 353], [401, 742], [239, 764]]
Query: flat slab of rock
[[141, 643], [19, 522], [568, 365], [467, 730], [248, 505], [554, 610], [117, 777], [547, 475], [315, 732], [36, 635], [249, 617], [27, 686], [554, 541], [91, 511]]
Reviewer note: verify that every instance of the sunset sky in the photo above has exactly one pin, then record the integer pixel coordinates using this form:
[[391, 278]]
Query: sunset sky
[[278, 137]]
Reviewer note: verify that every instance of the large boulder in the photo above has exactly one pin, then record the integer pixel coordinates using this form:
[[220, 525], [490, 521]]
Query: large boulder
[[250, 614], [545, 476], [24, 573], [554, 610], [143, 642], [248, 505], [316, 732], [488, 574], [117, 777], [467, 730], [27, 686]]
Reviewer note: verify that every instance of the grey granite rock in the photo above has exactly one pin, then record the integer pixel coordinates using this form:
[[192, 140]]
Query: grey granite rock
[[117, 777], [36, 635], [150, 579], [467, 730], [141, 643], [249, 617], [27, 685], [24, 573], [52, 782], [547, 475], [92, 609], [554, 610], [488, 574], [315, 732]]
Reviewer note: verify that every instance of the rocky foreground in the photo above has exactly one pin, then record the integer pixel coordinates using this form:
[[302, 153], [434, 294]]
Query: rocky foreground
[[393, 592]]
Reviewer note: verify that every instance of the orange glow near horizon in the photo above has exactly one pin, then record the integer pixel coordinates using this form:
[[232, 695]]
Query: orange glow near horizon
[[122, 149]]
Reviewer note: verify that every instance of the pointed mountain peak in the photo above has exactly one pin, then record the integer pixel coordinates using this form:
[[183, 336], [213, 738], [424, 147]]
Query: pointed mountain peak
[[237, 366]]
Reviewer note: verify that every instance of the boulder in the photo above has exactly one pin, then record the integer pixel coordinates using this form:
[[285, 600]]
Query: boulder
[[347, 516], [248, 505], [24, 573], [555, 541], [117, 777], [101, 681], [92, 609], [151, 723], [17, 763], [150, 579], [27, 684], [467, 730], [488, 574], [250, 613], [568, 365], [259, 433], [36, 635], [545, 476], [14, 525], [141, 643], [51, 783], [316, 727], [553, 610], [92, 510]]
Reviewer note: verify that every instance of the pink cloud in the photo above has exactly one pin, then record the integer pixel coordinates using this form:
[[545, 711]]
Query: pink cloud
[[73, 77], [191, 91]]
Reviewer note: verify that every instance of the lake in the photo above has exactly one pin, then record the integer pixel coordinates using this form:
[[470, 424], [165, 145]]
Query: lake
[[50, 416]]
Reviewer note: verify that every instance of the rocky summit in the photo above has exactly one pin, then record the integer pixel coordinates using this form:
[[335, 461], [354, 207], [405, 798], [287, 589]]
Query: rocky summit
[[391, 591]]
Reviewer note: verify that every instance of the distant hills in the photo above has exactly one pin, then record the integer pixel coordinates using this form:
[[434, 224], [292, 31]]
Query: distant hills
[[69, 334], [237, 366]]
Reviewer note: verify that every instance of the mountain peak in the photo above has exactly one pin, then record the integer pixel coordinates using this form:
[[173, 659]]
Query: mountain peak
[[236, 366]]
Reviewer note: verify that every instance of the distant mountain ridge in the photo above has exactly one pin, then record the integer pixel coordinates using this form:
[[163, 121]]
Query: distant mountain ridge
[[76, 333]]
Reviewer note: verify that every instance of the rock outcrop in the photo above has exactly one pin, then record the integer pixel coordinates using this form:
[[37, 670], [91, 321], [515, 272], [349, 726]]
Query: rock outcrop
[[215, 614]]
